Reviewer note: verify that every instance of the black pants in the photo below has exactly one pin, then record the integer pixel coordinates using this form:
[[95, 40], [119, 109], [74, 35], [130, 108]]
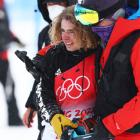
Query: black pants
[[40, 133], [39, 136], [9, 91]]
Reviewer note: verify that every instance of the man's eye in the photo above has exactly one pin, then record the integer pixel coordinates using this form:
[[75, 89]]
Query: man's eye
[[62, 31], [71, 31]]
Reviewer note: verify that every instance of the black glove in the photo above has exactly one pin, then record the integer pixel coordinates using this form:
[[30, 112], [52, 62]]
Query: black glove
[[22, 55]]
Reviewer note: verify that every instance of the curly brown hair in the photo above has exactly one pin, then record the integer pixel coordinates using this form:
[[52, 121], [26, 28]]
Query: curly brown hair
[[84, 33]]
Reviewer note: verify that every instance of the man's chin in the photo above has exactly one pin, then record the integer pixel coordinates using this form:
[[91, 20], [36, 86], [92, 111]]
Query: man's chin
[[69, 48]]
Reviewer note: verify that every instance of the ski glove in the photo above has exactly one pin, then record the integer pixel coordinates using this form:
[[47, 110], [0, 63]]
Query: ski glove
[[59, 121]]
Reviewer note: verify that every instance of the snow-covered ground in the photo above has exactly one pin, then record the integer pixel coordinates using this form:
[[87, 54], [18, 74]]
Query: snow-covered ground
[[18, 133]]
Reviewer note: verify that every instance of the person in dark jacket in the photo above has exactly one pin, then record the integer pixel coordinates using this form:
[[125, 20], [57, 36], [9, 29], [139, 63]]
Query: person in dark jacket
[[118, 101], [6, 37], [67, 87], [45, 7]]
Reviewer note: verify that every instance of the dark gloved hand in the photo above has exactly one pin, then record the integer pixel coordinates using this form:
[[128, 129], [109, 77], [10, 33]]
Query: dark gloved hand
[[59, 121], [22, 55]]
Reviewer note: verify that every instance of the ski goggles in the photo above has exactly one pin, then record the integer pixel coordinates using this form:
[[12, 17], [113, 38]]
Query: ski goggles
[[88, 16]]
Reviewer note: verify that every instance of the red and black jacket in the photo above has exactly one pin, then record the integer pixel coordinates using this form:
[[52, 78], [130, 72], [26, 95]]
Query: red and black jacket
[[59, 58], [126, 116]]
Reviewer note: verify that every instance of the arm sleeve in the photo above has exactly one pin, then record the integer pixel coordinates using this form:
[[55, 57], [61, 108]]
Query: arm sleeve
[[45, 90], [31, 101], [129, 115]]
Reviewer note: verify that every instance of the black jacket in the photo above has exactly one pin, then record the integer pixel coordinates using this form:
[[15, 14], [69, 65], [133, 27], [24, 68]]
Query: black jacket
[[56, 58]]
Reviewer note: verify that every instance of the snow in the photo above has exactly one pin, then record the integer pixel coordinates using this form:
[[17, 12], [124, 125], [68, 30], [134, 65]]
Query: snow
[[18, 133]]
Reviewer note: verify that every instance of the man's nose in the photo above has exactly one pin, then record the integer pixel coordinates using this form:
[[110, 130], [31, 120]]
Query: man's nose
[[66, 34]]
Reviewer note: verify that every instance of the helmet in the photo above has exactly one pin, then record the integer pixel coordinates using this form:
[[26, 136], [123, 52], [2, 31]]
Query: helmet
[[90, 12], [104, 7], [43, 9]]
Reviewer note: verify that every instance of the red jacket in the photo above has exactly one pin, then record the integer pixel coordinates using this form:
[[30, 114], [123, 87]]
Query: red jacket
[[129, 115], [1, 3]]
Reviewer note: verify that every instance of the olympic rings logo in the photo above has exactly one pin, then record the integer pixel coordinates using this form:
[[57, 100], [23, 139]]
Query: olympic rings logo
[[68, 85]]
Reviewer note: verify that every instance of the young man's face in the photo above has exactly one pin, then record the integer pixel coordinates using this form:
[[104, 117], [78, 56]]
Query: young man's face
[[69, 36]]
